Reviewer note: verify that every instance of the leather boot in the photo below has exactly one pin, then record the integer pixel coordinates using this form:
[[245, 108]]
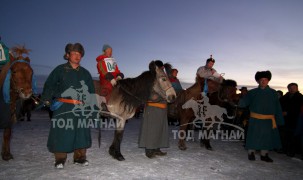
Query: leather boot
[[158, 152], [150, 153], [266, 158], [251, 156]]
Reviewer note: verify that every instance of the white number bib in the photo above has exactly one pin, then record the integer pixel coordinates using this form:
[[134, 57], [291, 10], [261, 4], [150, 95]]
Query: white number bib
[[110, 64], [2, 55]]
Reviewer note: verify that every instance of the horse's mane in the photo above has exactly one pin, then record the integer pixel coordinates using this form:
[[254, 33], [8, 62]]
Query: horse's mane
[[135, 91], [168, 68], [18, 50], [229, 82]]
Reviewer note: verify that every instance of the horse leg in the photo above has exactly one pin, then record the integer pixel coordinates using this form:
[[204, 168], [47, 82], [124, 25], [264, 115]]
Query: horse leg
[[182, 134], [205, 141], [114, 149], [6, 155]]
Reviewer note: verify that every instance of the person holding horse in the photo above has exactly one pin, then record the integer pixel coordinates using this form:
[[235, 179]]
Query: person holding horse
[[108, 70], [154, 129], [69, 131], [265, 115]]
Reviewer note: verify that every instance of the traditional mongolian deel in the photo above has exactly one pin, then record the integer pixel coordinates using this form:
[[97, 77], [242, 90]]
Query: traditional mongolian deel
[[66, 137], [261, 132], [154, 130]]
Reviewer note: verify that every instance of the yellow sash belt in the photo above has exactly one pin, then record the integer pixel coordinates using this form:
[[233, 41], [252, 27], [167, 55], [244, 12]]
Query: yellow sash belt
[[265, 116]]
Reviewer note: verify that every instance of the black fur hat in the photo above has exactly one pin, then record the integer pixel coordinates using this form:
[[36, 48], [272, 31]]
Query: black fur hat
[[263, 74], [73, 47]]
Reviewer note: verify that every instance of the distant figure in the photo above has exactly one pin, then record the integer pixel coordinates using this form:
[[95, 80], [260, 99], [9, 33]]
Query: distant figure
[[292, 105], [175, 81], [265, 115], [280, 93], [243, 113], [243, 91]]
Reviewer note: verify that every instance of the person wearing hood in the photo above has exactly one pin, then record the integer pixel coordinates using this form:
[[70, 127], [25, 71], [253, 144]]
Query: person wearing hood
[[265, 115], [108, 70]]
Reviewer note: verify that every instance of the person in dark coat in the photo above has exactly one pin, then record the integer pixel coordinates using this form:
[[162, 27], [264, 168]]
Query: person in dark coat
[[65, 89], [292, 103], [265, 115], [154, 129]]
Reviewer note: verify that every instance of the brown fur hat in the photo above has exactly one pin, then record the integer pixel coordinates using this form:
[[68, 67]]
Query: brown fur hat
[[73, 47]]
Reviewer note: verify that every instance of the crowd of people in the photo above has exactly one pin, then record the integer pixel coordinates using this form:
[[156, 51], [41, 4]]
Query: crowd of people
[[274, 121]]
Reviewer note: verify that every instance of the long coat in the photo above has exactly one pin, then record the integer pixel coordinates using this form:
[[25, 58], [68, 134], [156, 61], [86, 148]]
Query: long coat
[[154, 130], [66, 132], [260, 134], [292, 103]]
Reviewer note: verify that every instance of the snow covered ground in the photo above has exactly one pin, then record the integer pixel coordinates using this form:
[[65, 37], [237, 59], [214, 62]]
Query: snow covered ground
[[228, 160]]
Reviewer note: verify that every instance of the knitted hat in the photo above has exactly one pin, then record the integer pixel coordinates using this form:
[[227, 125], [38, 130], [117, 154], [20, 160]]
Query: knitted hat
[[105, 46]]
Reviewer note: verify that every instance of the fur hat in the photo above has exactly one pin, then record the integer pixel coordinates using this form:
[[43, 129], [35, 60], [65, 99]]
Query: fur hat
[[73, 47], [263, 74]]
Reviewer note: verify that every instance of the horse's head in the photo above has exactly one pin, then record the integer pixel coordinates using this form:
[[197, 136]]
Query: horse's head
[[228, 91], [162, 85], [21, 78]]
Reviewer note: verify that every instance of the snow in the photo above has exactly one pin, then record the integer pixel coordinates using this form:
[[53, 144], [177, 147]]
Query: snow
[[228, 160]]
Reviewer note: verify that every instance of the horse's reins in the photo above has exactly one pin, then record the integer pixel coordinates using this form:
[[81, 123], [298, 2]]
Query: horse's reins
[[140, 99]]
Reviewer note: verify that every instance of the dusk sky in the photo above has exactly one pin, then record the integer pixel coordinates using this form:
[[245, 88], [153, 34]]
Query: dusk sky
[[244, 36]]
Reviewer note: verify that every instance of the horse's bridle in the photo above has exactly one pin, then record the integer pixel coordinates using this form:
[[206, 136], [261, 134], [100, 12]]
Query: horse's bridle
[[226, 99]]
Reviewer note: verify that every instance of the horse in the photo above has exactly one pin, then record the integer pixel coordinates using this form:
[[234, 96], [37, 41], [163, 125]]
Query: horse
[[131, 93], [221, 94], [16, 83]]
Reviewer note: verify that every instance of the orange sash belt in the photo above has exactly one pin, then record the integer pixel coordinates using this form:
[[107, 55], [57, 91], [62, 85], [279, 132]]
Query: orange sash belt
[[69, 101], [158, 105], [265, 116]]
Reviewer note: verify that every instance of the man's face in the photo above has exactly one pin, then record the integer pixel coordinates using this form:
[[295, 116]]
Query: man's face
[[75, 57], [108, 52], [210, 64], [293, 89], [263, 82]]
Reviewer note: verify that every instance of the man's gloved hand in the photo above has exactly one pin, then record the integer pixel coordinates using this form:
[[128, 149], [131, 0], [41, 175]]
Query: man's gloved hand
[[118, 78], [113, 82], [42, 104], [46, 103]]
